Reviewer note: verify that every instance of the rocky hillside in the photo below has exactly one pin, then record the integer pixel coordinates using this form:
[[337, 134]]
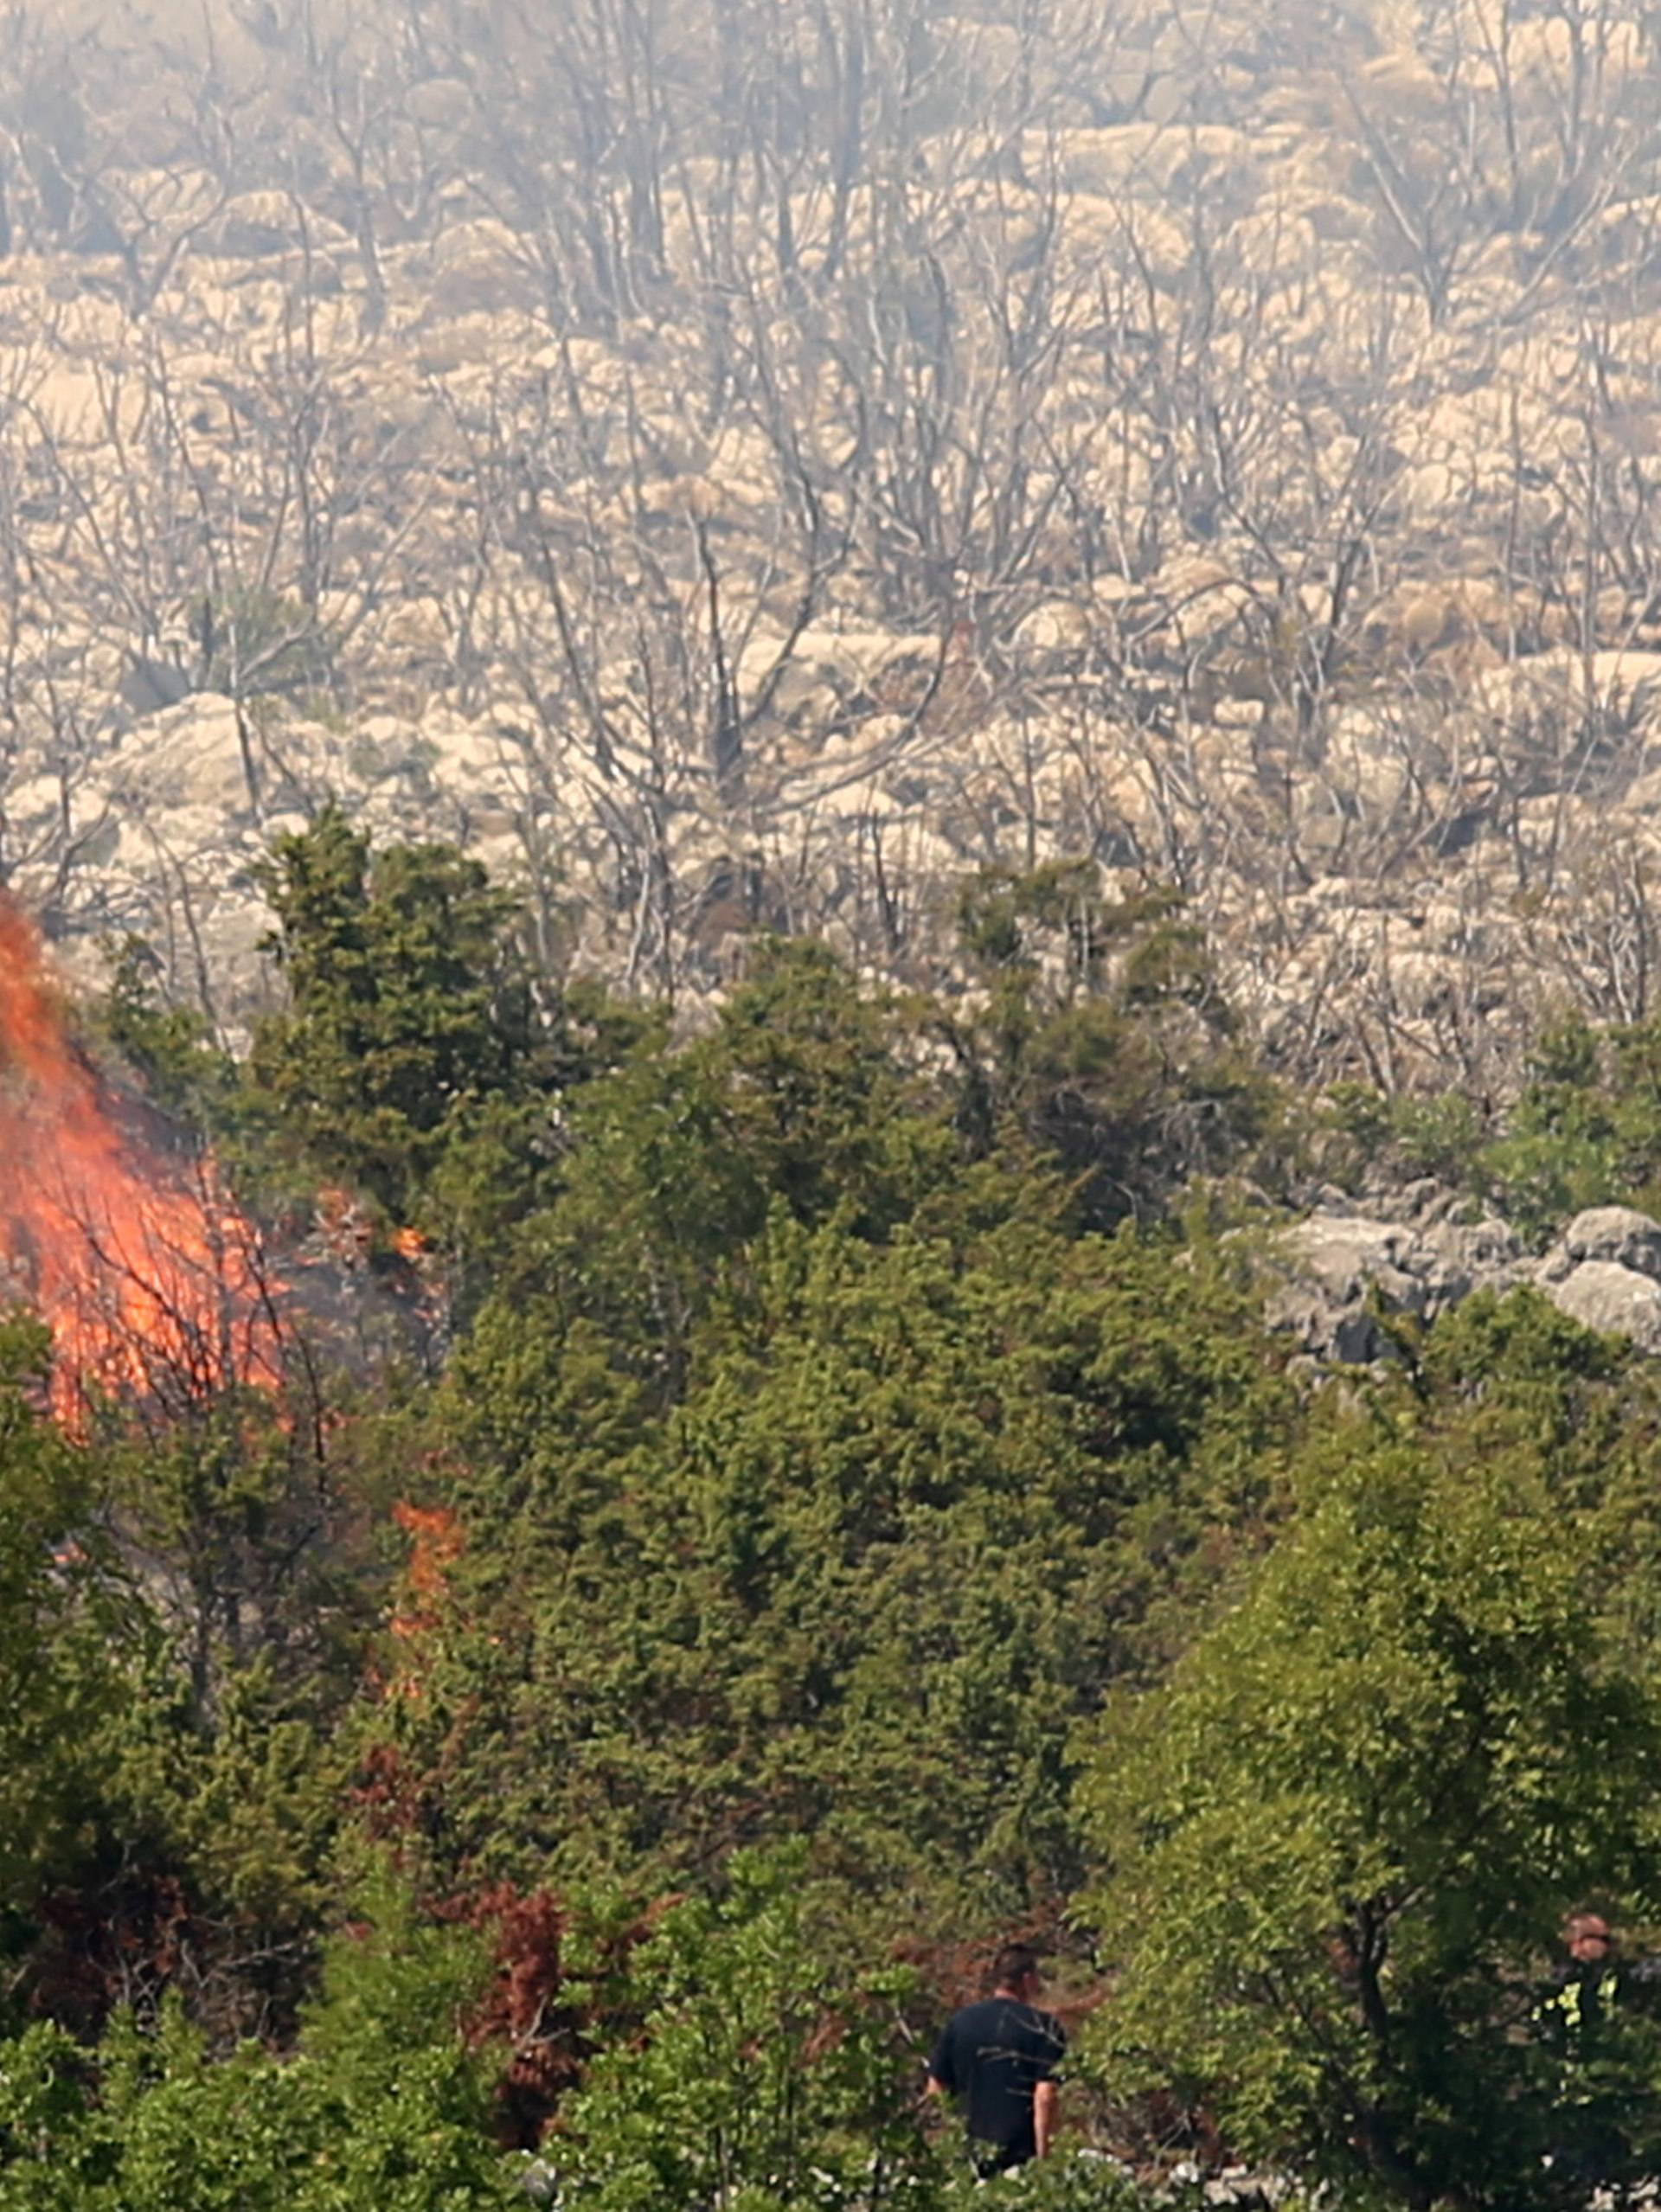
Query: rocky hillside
[[736, 462]]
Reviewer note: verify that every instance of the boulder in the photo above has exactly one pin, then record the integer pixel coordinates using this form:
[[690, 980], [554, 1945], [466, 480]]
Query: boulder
[[1339, 1269], [251, 225], [1464, 1256], [148, 683], [1343, 1256], [1614, 1300], [188, 754], [1619, 1235]]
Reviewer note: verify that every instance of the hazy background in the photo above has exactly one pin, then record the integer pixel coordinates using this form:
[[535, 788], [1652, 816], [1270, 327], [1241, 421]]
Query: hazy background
[[748, 464]]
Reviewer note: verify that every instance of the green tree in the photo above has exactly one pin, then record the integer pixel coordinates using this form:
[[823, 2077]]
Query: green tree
[[384, 2107], [1571, 1140], [413, 1023], [63, 1613], [920, 1500], [803, 1094], [171, 1048], [220, 1782], [1343, 1834]]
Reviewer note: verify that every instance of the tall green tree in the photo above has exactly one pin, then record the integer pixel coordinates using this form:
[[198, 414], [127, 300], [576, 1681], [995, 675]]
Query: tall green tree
[[414, 1022], [1341, 1837], [803, 1094], [768, 2074]]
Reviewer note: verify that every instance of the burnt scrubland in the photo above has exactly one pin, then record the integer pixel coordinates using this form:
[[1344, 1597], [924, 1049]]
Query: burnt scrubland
[[753, 744], [742, 466]]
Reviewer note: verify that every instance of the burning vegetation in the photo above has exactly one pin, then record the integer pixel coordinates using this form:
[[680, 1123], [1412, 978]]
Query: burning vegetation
[[151, 1281]]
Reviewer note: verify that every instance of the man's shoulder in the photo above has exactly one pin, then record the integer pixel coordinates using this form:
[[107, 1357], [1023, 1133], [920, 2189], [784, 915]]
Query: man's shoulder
[[1015, 2012], [1001, 2018]]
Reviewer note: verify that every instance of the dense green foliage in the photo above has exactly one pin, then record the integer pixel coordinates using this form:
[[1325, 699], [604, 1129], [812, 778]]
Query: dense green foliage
[[407, 1009], [747, 2086], [1585, 1132], [753, 1516], [916, 1502], [1338, 1829], [381, 2103], [57, 1596]]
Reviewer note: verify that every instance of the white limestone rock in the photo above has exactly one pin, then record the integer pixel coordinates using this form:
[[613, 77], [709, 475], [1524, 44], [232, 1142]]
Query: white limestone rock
[[1339, 1268], [1620, 1235], [1614, 1300]]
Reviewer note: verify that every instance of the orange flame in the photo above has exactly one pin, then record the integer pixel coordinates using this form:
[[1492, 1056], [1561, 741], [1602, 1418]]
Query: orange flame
[[151, 1282], [435, 1543]]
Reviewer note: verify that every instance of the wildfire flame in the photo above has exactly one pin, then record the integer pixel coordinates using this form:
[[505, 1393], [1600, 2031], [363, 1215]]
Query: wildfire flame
[[435, 1544], [151, 1281]]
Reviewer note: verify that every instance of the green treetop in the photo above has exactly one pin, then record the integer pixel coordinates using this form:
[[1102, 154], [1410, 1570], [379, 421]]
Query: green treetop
[[412, 1014]]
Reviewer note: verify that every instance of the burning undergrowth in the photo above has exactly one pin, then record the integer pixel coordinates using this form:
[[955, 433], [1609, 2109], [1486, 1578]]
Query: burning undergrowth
[[156, 1286], [152, 1280], [210, 1379]]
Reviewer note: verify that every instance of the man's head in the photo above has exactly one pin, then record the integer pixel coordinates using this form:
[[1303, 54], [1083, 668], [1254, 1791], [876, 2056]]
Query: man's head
[[1589, 1940], [1015, 1973]]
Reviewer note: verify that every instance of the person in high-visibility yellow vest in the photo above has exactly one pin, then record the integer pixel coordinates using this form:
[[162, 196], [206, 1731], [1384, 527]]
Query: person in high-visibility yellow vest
[[1578, 2019], [1588, 1987]]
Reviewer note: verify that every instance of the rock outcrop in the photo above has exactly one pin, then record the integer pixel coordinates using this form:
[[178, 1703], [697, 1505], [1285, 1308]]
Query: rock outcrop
[[1338, 1275]]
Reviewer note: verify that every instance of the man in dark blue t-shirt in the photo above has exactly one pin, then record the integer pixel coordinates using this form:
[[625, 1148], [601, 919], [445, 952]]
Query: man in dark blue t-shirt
[[997, 2059]]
